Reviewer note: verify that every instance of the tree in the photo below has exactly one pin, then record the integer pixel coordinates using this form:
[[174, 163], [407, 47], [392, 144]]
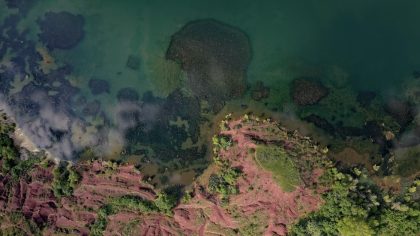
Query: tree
[[351, 226]]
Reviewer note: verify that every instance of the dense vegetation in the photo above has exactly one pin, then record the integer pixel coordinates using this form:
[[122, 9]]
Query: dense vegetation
[[132, 203], [11, 162], [8, 151], [15, 224], [65, 179], [164, 203], [224, 181], [98, 227], [355, 206]]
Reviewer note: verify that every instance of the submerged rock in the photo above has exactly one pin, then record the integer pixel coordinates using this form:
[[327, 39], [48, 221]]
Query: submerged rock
[[364, 98], [401, 111], [260, 91], [416, 74], [215, 57], [98, 86], [22, 5], [321, 123], [92, 108], [127, 95], [133, 62], [166, 124], [307, 91], [61, 30]]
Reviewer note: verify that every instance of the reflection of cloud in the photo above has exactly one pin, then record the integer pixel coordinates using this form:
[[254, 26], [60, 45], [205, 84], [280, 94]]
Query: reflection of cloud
[[51, 130], [113, 143], [50, 121], [62, 133]]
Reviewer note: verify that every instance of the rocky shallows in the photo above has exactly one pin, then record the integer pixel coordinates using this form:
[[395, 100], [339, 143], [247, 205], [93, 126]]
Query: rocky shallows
[[215, 57], [307, 91], [61, 30]]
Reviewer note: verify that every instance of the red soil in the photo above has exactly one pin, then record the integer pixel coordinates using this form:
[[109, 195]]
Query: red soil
[[34, 197], [260, 199], [258, 194]]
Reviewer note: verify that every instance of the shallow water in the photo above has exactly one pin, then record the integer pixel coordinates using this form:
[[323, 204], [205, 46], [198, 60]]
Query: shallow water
[[372, 44]]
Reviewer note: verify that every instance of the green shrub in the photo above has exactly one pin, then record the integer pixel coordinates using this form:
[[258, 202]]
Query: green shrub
[[9, 154], [221, 142], [132, 203], [353, 206], [23, 167], [165, 202], [224, 183], [65, 179], [98, 227], [350, 226]]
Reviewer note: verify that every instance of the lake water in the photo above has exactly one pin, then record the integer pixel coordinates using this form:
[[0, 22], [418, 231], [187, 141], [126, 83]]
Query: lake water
[[370, 45]]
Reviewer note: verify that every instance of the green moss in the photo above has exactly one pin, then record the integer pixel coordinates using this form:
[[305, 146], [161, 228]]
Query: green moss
[[277, 161]]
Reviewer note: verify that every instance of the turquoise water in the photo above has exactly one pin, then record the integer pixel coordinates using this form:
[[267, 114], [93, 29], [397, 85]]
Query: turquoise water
[[363, 45], [376, 42]]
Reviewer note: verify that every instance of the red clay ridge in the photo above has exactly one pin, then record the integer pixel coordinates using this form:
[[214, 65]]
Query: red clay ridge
[[260, 205]]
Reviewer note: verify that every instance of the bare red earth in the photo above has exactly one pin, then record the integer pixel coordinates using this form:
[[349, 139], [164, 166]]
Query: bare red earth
[[260, 199], [258, 192], [34, 197]]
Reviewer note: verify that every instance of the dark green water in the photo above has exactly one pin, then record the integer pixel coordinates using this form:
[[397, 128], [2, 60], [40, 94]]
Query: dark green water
[[365, 45], [376, 42]]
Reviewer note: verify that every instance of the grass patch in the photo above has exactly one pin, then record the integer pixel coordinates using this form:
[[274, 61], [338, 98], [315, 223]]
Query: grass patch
[[277, 161]]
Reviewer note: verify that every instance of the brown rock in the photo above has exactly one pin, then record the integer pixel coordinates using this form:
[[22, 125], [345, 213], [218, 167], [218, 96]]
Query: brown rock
[[307, 91]]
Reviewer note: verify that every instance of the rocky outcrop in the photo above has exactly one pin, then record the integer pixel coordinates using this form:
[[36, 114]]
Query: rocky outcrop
[[307, 91], [401, 111], [260, 91], [61, 30], [215, 56], [127, 95], [99, 86]]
